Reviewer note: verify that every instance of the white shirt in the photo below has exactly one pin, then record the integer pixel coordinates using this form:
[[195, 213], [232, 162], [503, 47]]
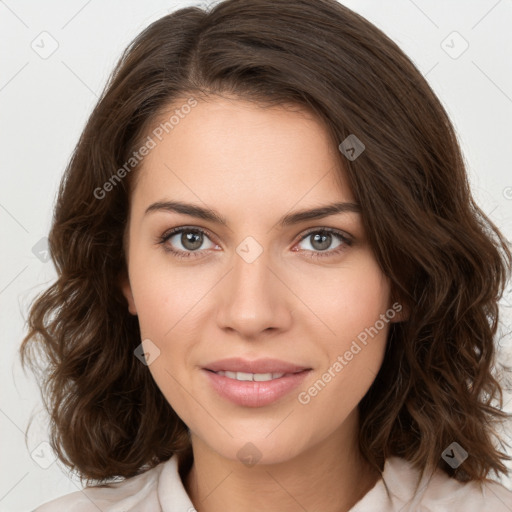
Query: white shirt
[[160, 489]]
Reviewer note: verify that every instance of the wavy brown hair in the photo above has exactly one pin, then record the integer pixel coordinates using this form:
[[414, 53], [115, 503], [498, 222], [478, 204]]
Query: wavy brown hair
[[447, 262]]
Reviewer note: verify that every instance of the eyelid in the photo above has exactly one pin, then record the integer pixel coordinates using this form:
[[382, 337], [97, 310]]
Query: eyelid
[[343, 234], [346, 239], [170, 232]]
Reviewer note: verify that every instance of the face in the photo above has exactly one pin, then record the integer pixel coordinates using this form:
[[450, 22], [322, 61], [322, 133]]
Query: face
[[261, 326]]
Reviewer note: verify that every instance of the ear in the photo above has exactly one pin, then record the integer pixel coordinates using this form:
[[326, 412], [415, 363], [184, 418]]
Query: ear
[[126, 288]]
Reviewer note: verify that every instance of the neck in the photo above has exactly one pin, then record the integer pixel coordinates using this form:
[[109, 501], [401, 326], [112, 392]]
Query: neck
[[332, 476]]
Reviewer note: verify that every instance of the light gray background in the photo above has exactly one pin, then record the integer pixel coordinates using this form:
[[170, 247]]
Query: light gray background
[[45, 103]]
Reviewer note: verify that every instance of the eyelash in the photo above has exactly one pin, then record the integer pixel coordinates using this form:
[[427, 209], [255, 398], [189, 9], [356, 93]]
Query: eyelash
[[345, 241]]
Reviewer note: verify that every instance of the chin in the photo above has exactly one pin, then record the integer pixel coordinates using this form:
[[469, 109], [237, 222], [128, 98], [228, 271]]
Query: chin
[[259, 446]]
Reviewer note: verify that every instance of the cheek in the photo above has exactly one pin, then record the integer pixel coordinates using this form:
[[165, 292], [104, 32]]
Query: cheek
[[347, 299], [152, 302], [366, 299], [165, 296], [352, 305], [353, 359]]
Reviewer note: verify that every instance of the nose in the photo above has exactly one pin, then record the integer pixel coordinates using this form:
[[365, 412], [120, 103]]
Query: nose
[[253, 299]]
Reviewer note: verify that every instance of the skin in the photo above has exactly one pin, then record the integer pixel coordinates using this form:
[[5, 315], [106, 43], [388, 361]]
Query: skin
[[253, 165]]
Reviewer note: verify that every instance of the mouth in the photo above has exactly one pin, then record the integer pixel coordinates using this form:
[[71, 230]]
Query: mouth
[[254, 377], [264, 366], [254, 383]]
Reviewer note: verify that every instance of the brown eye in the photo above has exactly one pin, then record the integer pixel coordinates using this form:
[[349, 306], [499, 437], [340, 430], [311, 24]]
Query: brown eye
[[184, 242], [324, 242], [191, 240]]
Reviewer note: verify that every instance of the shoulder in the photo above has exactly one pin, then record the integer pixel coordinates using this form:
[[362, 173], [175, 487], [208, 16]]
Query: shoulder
[[442, 493], [139, 493]]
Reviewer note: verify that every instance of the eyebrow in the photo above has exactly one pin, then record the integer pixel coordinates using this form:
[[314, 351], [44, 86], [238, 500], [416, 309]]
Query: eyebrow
[[286, 220]]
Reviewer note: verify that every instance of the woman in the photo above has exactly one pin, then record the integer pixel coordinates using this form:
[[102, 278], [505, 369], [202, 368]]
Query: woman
[[275, 290]]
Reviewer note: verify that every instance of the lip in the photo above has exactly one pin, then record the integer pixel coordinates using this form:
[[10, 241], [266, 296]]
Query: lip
[[266, 365], [255, 393]]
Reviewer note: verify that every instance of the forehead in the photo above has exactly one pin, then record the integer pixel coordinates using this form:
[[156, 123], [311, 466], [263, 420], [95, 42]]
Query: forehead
[[235, 152]]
